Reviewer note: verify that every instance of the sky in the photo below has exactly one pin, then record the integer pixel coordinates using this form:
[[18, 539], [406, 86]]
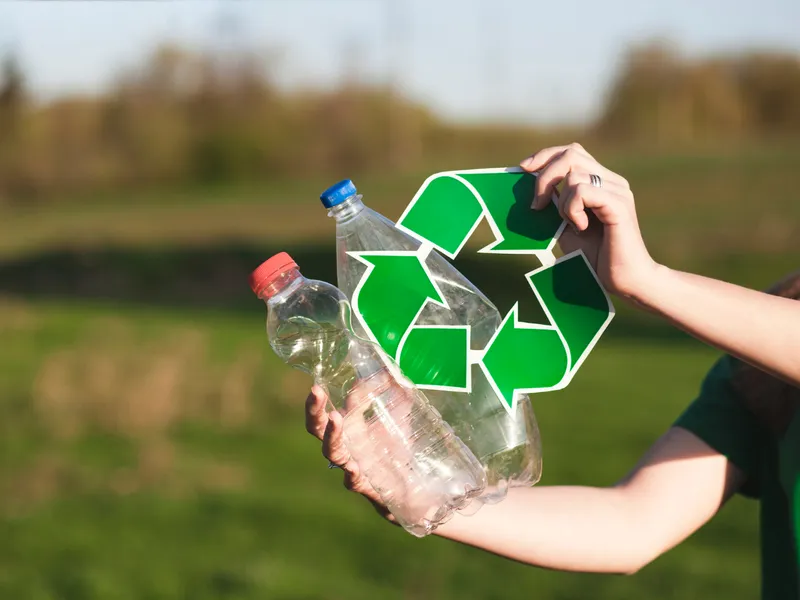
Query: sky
[[510, 60]]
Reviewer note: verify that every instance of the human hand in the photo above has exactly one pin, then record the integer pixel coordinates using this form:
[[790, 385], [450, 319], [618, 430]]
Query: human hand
[[328, 428], [603, 218]]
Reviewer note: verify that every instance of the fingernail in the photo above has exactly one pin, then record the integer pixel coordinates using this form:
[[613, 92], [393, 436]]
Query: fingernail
[[526, 163], [535, 203]]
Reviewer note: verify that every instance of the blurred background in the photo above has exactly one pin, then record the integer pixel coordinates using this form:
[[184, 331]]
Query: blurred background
[[153, 153]]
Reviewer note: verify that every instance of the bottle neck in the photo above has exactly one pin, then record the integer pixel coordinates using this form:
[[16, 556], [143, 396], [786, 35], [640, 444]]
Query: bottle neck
[[282, 286], [347, 210]]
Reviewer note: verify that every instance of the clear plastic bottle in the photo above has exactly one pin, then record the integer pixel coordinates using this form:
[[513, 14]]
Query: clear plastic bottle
[[421, 469], [508, 447]]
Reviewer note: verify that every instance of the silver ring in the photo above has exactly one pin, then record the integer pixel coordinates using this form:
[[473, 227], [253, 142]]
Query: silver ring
[[596, 181], [331, 465]]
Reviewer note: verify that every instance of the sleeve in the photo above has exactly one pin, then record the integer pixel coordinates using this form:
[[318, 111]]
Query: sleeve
[[718, 417]]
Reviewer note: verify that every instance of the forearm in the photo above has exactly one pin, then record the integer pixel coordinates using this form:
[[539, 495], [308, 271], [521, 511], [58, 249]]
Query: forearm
[[676, 487], [564, 528], [756, 327]]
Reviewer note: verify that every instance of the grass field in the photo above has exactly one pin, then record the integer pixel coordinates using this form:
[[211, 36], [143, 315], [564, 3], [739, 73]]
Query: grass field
[[151, 447]]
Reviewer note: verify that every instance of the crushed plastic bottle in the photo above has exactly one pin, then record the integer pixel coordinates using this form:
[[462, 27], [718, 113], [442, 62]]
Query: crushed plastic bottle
[[422, 471], [509, 447]]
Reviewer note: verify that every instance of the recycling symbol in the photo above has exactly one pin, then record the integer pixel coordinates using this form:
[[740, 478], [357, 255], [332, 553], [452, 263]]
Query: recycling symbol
[[521, 357]]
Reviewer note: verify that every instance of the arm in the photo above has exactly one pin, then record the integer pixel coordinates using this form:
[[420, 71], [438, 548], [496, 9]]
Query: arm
[[755, 327], [676, 488], [758, 328]]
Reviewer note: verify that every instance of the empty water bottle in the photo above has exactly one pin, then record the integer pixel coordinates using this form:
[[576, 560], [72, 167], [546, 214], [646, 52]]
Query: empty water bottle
[[422, 471], [509, 447]]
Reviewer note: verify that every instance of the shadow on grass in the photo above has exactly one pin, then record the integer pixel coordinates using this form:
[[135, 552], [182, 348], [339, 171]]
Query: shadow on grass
[[216, 277]]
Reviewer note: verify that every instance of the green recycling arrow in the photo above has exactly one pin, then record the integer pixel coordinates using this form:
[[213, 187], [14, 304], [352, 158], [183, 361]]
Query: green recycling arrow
[[528, 358], [434, 357], [462, 199], [521, 357]]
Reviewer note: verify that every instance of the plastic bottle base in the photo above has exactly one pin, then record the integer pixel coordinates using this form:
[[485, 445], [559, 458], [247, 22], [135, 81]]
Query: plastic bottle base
[[463, 503], [472, 507], [523, 483], [495, 493]]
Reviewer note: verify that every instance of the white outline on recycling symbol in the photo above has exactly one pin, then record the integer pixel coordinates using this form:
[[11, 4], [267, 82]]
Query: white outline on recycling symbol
[[536, 277]]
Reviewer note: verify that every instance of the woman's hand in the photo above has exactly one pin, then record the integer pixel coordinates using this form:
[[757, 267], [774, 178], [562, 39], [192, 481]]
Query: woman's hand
[[757, 328], [327, 427], [605, 216]]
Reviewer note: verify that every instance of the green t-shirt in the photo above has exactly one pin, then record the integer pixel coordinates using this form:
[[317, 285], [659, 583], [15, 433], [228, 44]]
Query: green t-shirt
[[771, 464]]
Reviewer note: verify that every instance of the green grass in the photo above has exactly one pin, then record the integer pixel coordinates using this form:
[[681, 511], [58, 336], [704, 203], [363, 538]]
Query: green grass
[[287, 529]]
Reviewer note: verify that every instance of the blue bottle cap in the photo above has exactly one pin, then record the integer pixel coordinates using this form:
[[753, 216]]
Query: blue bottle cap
[[338, 193]]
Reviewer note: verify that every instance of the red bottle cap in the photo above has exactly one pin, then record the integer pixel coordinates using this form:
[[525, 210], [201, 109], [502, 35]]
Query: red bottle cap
[[270, 270]]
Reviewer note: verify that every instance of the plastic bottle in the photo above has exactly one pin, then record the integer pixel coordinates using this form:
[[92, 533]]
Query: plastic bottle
[[508, 447], [421, 469]]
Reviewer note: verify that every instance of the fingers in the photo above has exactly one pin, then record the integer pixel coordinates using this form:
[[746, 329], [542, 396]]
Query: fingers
[[333, 446], [569, 209], [611, 207], [355, 481], [334, 449], [557, 169], [330, 429], [554, 164], [553, 172], [316, 415], [576, 177], [540, 159]]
